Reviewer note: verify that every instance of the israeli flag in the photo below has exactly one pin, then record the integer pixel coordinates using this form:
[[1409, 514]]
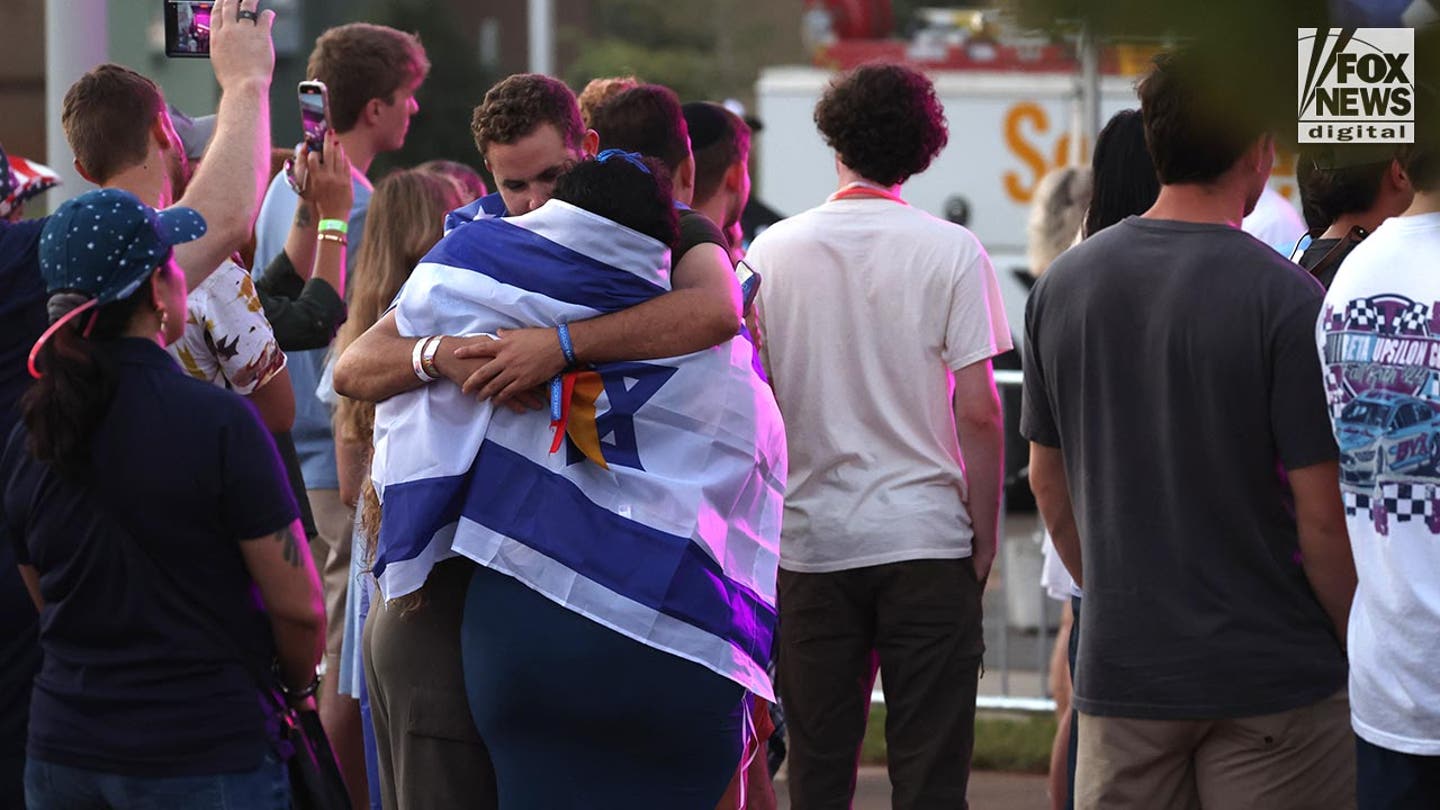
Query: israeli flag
[[658, 517]]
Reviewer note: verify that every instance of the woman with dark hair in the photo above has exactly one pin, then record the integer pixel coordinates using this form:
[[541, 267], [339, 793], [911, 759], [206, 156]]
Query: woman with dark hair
[[157, 535], [1124, 178], [1124, 184]]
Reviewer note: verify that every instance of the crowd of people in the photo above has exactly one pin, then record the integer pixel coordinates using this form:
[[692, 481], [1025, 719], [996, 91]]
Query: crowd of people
[[574, 494]]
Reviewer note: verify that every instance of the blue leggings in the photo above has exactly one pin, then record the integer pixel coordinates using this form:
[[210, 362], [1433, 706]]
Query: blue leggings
[[579, 716]]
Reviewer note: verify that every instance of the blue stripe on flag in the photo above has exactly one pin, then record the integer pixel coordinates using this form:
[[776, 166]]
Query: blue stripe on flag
[[513, 496], [515, 256], [413, 512], [490, 205]]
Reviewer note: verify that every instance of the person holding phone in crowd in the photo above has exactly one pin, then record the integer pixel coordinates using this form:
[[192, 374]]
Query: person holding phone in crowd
[[371, 73], [306, 310]]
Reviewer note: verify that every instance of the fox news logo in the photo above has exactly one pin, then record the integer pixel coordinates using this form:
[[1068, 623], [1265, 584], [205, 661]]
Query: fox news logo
[[1357, 85]]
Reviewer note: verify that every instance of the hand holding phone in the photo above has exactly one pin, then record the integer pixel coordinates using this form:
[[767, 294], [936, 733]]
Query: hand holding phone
[[328, 184], [314, 115], [187, 28], [241, 50]]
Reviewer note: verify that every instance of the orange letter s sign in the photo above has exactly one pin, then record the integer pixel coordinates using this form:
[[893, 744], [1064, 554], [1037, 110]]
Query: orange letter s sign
[[1018, 189]]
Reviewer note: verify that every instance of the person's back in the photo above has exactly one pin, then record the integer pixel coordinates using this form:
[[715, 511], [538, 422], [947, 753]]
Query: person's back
[[155, 533], [894, 297], [878, 324], [1181, 459], [127, 557], [22, 310], [1173, 449]]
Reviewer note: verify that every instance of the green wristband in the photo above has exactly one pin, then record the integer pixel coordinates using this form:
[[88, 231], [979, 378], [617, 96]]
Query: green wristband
[[336, 225]]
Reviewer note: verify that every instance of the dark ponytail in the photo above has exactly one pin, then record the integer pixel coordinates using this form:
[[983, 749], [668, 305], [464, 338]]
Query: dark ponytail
[[62, 409]]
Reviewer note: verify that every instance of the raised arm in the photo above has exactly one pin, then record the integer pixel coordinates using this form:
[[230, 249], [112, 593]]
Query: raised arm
[[329, 194], [307, 312], [228, 187]]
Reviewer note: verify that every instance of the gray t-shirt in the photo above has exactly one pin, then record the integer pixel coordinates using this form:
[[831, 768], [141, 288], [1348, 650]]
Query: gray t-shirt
[[1174, 364]]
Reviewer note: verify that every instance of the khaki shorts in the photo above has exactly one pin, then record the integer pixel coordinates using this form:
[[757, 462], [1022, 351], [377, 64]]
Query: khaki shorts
[[1303, 759], [335, 523]]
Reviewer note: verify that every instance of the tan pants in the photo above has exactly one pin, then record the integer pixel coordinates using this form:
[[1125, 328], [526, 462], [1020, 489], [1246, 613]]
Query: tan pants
[[1303, 759], [430, 756], [331, 550]]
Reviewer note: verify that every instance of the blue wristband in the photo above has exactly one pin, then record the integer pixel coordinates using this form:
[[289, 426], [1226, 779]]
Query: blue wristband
[[557, 398], [566, 346]]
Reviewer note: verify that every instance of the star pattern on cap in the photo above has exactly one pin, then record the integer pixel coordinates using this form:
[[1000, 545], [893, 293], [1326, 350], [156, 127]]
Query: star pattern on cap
[[105, 243]]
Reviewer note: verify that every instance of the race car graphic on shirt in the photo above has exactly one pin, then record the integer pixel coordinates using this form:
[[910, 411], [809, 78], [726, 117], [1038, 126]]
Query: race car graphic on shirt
[[1382, 358]]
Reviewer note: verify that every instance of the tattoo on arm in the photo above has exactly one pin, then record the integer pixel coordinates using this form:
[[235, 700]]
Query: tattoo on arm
[[303, 216], [290, 546]]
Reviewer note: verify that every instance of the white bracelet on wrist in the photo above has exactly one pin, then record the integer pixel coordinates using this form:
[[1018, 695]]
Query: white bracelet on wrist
[[418, 357]]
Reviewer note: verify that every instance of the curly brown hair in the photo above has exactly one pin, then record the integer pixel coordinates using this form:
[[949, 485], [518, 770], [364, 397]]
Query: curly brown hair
[[517, 105], [884, 121]]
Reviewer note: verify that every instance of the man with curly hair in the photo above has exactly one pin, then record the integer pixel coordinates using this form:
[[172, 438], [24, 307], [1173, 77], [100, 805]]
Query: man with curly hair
[[529, 131], [879, 324]]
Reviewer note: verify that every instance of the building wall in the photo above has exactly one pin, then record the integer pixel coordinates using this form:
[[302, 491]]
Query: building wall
[[22, 77]]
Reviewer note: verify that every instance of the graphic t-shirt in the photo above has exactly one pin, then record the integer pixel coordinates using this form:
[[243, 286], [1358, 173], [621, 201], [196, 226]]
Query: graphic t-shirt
[[227, 340], [1173, 364], [868, 308], [1379, 340]]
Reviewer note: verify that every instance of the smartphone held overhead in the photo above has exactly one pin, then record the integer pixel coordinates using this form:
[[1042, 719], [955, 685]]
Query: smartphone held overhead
[[314, 114], [315, 123], [187, 28]]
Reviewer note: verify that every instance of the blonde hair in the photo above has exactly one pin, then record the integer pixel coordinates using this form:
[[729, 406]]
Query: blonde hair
[[1056, 213], [405, 220], [599, 91]]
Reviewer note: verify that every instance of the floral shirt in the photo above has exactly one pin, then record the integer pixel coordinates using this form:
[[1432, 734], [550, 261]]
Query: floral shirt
[[227, 340]]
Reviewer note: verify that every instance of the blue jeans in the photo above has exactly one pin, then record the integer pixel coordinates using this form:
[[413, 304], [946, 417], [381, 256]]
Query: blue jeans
[[1390, 780], [57, 787]]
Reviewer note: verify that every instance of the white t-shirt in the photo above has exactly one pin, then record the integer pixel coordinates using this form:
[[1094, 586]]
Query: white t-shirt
[[1055, 578], [1275, 222], [1379, 339], [227, 340], [866, 307]]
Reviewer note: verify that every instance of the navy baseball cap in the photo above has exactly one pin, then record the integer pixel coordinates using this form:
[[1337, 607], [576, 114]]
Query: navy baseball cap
[[104, 243]]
